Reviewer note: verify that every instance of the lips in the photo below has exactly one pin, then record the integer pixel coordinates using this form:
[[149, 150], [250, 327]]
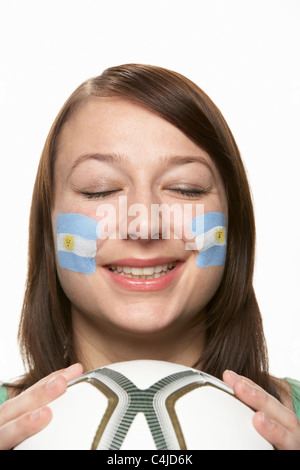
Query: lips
[[147, 275]]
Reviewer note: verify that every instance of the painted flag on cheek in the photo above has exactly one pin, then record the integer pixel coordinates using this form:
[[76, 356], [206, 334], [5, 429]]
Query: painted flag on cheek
[[210, 239], [77, 242]]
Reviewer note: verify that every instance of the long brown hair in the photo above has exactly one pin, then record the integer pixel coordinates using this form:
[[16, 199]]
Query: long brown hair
[[234, 332]]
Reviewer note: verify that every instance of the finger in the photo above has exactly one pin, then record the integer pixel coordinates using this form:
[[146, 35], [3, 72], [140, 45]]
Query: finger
[[16, 431], [32, 399], [230, 378], [280, 437], [69, 374], [258, 399], [42, 393], [73, 372]]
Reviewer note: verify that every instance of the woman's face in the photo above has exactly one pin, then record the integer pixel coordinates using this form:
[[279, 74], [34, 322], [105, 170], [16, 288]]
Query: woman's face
[[112, 148]]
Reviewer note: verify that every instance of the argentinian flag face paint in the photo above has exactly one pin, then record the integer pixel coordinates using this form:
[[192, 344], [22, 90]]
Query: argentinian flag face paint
[[210, 238], [77, 242]]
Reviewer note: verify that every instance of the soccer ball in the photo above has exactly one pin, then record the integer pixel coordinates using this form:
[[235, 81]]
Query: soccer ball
[[150, 405]]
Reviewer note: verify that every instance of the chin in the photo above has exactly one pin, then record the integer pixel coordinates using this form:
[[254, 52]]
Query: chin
[[143, 320]]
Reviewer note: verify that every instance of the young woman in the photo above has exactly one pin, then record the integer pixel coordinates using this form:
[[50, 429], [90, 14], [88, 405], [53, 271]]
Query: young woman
[[145, 136]]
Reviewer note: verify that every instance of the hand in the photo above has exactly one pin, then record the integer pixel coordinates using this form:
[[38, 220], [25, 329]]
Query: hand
[[274, 421], [27, 413]]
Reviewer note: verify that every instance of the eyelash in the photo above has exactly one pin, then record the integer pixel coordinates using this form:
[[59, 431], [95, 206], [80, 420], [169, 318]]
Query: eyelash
[[99, 194], [191, 193]]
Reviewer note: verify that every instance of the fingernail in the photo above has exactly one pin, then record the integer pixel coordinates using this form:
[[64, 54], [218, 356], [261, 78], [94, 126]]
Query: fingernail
[[247, 387], [35, 415], [233, 374], [268, 423], [51, 384], [70, 368], [232, 377]]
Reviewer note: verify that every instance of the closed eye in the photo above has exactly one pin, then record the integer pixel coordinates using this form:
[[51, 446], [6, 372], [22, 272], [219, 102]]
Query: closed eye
[[189, 192], [99, 194]]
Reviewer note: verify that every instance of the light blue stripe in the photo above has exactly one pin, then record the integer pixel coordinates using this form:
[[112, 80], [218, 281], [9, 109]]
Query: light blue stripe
[[214, 256], [205, 222], [77, 224], [76, 263]]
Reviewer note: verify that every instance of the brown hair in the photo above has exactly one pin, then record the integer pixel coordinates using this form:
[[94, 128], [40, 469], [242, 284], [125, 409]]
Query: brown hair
[[234, 333]]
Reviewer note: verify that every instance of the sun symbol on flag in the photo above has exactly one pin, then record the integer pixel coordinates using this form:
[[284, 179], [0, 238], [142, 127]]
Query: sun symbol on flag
[[69, 242], [220, 236]]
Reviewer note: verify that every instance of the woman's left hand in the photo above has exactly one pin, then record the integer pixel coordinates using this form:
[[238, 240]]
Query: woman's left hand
[[275, 422]]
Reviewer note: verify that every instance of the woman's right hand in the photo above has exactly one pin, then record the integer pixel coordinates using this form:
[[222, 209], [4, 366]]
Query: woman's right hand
[[27, 413]]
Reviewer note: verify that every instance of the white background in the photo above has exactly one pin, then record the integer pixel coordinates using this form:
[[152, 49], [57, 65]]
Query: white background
[[245, 56]]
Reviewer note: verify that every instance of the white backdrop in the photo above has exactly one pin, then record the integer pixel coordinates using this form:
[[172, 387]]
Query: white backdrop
[[243, 53]]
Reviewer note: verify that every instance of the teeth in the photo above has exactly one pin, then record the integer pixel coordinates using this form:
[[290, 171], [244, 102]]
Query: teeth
[[143, 273], [159, 269]]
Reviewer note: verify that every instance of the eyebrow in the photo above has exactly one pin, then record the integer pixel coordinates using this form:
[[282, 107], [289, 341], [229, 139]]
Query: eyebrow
[[120, 159], [177, 160], [110, 158]]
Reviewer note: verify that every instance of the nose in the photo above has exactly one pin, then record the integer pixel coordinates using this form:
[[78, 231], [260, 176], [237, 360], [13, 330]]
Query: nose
[[140, 224]]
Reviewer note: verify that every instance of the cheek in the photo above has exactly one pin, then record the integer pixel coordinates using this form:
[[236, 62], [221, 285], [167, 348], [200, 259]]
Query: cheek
[[203, 282], [207, 257], [210, 243], [76, 242], [78, 288]]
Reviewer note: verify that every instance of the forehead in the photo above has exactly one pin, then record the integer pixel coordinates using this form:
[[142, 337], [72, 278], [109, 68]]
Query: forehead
[[113, 125]]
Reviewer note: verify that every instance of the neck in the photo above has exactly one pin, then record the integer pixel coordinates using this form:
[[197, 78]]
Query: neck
[[101, 345]]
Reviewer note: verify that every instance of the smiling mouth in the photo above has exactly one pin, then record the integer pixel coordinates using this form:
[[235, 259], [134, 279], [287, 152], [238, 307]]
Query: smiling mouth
[[143, 273]]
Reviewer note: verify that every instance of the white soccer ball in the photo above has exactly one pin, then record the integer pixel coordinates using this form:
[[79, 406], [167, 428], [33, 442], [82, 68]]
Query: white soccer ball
[[149, 405]]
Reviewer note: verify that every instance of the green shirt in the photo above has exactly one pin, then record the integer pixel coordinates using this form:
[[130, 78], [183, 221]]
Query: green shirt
[[3, 395], [295, 388]]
